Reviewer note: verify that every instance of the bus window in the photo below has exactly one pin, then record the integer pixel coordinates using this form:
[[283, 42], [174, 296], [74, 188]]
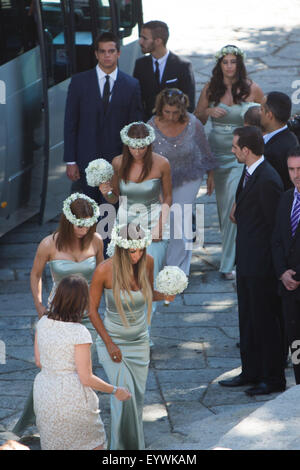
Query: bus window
[[104, 20], [57, 57], [18, 32], [126, 13], [129, 13], [90, 18]]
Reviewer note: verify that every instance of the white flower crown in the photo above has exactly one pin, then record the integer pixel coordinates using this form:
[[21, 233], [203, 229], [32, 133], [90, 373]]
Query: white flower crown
[[229, 50], [85, 222], [137, 143], [118, 240]]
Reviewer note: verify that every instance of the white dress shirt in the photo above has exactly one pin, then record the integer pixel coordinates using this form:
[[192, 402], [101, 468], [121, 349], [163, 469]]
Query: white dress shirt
[[254, 165], [102, 78], [269, 136], [161, 64]]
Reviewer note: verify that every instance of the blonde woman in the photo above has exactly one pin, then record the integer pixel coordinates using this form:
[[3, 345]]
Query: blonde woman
[[126, 280]]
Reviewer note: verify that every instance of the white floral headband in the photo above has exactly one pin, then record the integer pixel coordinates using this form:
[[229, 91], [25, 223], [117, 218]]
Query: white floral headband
[[230, 50], [84, 222], [118, 240], [137, 143]]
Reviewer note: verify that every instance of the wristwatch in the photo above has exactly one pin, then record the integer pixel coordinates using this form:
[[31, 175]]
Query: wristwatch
[[114, 390]]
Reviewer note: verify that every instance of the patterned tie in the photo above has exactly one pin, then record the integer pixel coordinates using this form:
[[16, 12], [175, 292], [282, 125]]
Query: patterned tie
[[246, 178], [295, 214], [106, 93]]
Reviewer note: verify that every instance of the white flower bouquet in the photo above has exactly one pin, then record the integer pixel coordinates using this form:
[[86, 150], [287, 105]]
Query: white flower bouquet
[[99, 171], [171, 281]]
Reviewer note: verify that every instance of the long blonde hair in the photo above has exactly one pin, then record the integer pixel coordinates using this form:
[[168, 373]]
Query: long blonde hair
[[123, 273]]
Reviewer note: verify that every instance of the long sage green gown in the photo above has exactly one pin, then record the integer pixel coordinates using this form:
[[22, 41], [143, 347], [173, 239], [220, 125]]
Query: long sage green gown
[[140, 204], [60, 269], [126, 431], [227, 175]]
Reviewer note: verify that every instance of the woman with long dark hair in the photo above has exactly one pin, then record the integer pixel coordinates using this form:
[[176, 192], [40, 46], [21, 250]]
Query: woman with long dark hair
[[142, 180], [225, 99]]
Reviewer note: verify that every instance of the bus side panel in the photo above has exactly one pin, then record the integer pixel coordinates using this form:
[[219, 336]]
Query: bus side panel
[[59, 186], [22, 140], [129, 53]]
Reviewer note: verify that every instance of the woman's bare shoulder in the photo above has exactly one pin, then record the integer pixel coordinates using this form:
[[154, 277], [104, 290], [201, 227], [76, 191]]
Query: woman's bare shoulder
[[149, 261], [97, 238], [116, 162], [48, 243], [160, 160], [256, 93]]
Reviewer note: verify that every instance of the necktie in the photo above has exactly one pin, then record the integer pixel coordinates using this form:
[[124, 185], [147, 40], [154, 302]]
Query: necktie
[[295, 215], [106, 93], [246, 178], [156, 74]]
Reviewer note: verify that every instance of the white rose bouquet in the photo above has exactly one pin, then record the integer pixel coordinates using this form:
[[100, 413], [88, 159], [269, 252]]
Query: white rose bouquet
[[171, 281], [99, 171]]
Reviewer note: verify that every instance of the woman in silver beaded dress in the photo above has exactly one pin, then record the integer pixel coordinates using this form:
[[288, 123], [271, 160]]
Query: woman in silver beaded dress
[[180, 137]]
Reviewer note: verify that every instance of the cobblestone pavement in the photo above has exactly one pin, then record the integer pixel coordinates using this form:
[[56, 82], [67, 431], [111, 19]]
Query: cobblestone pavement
[[195, 337]]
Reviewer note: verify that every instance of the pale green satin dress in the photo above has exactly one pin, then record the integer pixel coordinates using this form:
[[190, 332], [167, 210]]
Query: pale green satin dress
[[60, 269], [126, 417], [227, 175], [140, 204]]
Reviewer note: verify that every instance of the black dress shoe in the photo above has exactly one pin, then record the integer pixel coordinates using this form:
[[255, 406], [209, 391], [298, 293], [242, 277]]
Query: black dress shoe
[[237, 381], [264, 389]]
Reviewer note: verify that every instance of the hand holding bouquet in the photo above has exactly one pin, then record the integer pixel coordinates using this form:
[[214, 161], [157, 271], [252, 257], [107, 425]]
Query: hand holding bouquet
[[99, 171], [171, 281]]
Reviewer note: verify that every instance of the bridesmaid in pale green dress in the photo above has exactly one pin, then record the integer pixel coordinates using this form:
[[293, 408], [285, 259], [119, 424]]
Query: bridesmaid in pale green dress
[[142, 179], [126, 280], [225, 99], [75, 248]]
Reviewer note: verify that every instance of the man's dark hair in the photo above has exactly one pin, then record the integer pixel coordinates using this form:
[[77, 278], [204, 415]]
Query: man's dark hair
[[159, 30], [252, 117], [107, 37], [294, 152], [250, 137], [280, 105]]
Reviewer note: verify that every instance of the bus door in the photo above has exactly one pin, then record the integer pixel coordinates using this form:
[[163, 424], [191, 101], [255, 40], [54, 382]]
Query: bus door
[[22, 124]]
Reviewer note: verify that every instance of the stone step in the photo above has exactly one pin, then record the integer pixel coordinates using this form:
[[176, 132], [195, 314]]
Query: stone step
[[273, 426]]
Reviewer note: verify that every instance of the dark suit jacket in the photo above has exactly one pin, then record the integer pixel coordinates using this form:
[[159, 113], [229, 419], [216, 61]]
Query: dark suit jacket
[[286, 249], [178, 73], [275, 152], [255, 214], [88, 133]]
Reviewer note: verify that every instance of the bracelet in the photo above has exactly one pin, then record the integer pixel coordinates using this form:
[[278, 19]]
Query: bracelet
[[114, 390]]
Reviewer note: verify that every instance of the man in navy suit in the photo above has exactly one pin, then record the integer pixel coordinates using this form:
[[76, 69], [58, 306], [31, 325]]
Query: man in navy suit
[[161, 68], [100, 103], [286, 255]]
